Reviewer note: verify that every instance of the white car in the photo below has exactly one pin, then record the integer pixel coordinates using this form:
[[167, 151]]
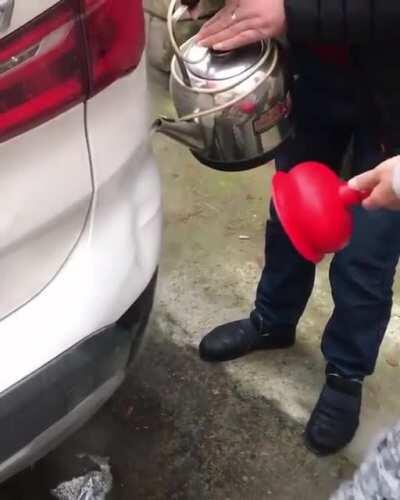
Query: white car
[[80, 214]]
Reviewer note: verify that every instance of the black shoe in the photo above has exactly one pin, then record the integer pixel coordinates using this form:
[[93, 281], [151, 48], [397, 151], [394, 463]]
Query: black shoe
[[335, 418], [238, 338]]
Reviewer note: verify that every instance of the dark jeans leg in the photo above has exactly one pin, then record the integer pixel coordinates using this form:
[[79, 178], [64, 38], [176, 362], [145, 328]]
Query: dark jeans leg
[[287, 279], [362, 279]]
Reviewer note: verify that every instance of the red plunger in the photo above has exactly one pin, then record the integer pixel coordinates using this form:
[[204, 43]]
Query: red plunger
[[313, 205]]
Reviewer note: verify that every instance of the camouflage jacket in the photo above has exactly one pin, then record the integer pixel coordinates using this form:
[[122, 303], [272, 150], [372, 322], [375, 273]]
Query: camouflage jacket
[[378, 478]]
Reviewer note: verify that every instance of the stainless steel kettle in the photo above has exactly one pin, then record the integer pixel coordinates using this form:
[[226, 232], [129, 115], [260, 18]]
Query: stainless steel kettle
[[233, 107]]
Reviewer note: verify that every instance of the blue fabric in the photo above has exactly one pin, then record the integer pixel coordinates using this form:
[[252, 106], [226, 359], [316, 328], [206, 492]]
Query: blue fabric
[[330, 110]]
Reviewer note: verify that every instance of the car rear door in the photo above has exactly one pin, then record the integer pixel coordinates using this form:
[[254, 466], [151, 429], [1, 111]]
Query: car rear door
[[45, 174]]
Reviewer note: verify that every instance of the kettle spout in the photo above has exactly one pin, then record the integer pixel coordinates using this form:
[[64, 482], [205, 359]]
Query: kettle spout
[[187, 133]]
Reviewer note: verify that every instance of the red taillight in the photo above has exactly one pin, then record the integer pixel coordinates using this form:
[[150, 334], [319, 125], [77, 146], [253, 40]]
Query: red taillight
[[115, 34], [64, 56], [41, 71]]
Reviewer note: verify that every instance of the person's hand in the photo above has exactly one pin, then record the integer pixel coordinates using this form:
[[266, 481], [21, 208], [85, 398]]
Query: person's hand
[[382, 182], [242, 22]]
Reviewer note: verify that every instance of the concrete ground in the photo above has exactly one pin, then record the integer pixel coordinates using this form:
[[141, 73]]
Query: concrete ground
[[180, 429]]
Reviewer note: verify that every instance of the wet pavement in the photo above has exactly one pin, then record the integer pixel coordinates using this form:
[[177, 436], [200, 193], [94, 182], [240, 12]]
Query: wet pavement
[[178, 430], [182, 429]]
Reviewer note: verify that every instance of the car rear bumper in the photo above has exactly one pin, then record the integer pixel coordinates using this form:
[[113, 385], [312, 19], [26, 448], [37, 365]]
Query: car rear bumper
[[43, 409]]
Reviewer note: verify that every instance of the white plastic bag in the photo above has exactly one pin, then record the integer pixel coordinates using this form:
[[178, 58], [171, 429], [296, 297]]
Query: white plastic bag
[[92, 486], [378, 477]]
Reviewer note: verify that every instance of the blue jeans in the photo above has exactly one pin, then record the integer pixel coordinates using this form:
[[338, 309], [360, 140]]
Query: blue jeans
[[330, 110]]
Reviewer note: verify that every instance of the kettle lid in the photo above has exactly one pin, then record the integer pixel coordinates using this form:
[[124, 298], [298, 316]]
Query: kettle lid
[[210, 64]]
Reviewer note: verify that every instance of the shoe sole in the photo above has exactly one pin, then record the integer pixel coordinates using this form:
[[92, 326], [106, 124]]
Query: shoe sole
[[318, 452], [204, 357]]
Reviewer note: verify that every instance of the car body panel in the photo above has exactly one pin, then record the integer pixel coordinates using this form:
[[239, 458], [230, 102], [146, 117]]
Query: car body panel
[[80, 238], [46, 189], [111, 264]]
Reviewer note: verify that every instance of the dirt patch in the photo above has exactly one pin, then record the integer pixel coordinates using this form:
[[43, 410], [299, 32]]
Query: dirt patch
[[180, 429]]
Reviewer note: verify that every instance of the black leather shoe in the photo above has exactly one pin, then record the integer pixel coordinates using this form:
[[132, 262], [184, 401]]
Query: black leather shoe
[[238, 338], [335, 418]]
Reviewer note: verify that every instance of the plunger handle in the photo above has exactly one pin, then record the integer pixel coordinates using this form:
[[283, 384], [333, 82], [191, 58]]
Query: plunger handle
[[351, 196]]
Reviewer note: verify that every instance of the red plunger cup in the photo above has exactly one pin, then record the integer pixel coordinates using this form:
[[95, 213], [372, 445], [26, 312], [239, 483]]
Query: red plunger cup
[[314, 207]]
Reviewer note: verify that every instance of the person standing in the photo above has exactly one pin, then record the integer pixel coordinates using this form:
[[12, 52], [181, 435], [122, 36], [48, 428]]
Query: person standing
[[347, 73], [378, 477]]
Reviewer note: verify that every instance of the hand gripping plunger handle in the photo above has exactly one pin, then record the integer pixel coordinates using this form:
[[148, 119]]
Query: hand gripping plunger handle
[[351, 196]]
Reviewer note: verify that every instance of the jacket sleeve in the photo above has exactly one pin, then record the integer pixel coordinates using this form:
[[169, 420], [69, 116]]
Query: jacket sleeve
[[348, 21]]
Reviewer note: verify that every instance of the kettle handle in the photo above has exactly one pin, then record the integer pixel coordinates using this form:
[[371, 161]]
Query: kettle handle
[[173, 16], [202, 113], [206, 112]]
